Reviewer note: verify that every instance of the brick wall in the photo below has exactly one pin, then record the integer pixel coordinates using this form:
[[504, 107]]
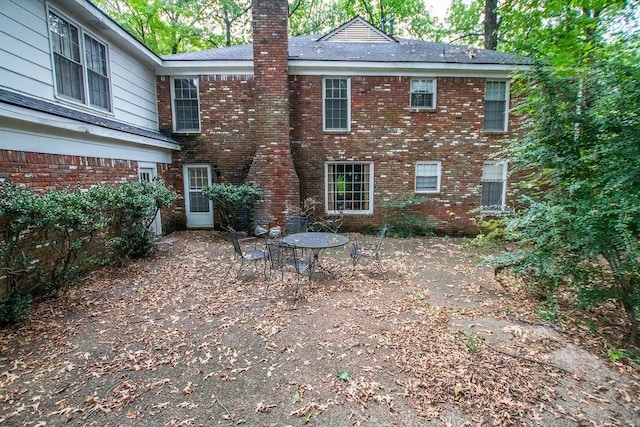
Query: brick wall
[[383, 130], [43, 172]]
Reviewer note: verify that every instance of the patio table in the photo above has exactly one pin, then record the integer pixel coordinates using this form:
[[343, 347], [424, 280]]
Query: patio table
[[316, 241]]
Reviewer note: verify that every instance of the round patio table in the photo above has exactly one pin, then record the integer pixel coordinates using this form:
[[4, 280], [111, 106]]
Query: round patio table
[[316, 241]]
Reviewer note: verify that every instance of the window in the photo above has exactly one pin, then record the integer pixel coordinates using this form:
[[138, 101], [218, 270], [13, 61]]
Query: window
[[494, 184], [495, 106], [428, 177], [349, 187], [336, 104], [79, 69], [423, 93], [186, 111]]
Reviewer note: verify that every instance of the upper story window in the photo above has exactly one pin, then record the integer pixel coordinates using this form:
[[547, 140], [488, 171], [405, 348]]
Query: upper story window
[[494, 186], [428, 177], [80, 64], [349, 187], [495, 106], [423, 93], [186, 105], [336, 104]]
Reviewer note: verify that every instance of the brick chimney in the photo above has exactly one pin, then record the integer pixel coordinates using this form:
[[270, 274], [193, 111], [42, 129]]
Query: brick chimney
[[272, 168]]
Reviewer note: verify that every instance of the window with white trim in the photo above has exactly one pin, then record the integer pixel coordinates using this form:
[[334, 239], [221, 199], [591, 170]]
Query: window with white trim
[[80, 64], [423, 93], [336, 104], [349, 187], [186, 104], [495, 106], [494, 186], [428, 177]]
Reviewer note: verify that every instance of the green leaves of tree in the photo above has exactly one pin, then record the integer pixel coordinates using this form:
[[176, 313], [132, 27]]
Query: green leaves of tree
[[582, 228]]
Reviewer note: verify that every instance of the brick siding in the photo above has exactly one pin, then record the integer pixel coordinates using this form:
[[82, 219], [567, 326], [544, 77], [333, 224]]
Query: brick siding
[[43, 172], [383, 130]]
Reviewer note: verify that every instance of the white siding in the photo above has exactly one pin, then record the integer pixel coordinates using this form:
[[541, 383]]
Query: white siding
[[25, 62], [134, 90]]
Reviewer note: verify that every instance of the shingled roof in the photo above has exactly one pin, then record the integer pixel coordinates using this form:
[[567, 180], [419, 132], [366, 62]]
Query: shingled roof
[[319, 47]]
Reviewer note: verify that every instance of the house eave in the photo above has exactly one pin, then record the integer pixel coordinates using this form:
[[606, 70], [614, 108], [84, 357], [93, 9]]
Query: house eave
[[440, 69], [199, 67], [38, 119], [347, 68]]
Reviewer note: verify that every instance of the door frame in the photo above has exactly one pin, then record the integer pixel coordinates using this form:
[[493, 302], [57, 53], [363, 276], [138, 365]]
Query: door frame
[[152, 168], [197, 219]]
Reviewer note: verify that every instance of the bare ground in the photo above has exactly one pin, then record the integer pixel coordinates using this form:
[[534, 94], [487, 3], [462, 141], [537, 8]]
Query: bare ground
[[177, 339]]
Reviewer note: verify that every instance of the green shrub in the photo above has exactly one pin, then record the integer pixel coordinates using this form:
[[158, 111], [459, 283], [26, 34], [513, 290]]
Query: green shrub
[[134, 206], [51, 238], [233, 203], [400, 219], [15, 309]]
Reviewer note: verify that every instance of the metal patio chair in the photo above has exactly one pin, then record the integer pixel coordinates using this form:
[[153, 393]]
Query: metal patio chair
[[296, 224], [254, 256], [283, 257], [361, 251]]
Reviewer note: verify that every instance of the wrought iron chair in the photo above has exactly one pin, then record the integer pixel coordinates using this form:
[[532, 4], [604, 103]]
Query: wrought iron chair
[[359, 251], [283, 256], [296, 224], [254, 256]]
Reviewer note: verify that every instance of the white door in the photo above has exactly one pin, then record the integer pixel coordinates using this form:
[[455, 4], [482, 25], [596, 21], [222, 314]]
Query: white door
[[199, 208], [150, 174]]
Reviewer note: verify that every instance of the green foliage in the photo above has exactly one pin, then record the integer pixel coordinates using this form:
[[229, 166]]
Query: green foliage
[[492, 233], [402, 221], [582, 144], [175, 26], [134, 206], [15, 309], [558, 32], [53, 237], [343, 375], [232, 201], [548, 310], [619, 354]]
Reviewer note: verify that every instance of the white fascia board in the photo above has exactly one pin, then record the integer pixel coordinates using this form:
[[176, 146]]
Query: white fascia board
[[190, 68], [37, 140], [21, 116], [100, 20], [404, 69], [343, 68]]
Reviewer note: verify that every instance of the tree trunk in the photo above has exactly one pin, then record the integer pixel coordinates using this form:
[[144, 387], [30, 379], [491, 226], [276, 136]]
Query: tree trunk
[[491, 24]]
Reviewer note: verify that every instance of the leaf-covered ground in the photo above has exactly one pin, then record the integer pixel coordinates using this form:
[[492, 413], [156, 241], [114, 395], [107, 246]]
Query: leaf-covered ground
[[177, 339]]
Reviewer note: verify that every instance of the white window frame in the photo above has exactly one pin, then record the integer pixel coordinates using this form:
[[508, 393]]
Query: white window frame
[[433, 93], [438, 165], [324, 105], [332, 206], [506, 106], [173, 104], [85, 98], [503, 179]]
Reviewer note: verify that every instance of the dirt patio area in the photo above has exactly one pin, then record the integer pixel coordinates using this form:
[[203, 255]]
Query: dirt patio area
[[177, 339]]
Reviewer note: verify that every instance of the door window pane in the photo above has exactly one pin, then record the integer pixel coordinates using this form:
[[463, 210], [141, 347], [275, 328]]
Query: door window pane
[[198, 178]]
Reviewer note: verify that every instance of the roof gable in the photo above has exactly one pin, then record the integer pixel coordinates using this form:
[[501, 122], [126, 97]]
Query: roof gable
[[357, 30]]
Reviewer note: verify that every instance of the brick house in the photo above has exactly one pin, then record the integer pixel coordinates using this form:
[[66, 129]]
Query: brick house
[[355, 118]]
